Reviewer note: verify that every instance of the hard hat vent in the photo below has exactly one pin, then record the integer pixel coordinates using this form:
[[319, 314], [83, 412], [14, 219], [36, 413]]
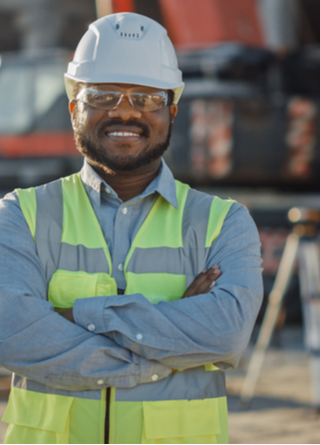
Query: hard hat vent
[[131, 31]]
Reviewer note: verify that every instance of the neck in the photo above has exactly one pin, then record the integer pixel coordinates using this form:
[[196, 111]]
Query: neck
[[127, 185]]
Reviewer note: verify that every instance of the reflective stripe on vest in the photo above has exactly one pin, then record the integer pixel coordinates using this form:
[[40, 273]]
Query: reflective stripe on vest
[[77, 263]]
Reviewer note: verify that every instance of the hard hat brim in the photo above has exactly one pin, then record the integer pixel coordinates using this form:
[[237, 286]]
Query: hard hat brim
[[71, 81]]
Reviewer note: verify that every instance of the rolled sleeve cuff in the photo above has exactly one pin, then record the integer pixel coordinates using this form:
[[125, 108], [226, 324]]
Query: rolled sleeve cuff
[[151, 371], [88, 313]]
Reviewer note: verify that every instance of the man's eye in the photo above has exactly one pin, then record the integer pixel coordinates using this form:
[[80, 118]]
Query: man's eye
[[143, 100], [102, 97], [157, 98], [109, 97], [94, 97]]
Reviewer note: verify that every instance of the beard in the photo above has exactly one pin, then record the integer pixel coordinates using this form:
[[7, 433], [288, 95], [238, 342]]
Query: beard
[[99, 156]]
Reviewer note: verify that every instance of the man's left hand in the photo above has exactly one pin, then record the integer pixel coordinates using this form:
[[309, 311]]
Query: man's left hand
[[204, 282]]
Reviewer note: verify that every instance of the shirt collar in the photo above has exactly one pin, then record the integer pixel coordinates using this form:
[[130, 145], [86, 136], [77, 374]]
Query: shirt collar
[[163, 183]]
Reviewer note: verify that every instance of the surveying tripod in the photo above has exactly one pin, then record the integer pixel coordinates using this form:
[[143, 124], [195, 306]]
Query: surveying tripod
[[301, 245]]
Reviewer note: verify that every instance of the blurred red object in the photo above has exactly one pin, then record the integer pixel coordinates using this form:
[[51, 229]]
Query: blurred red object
[[38, 144], [272, 245], [211, 138], [123, 6], [301, 137], [193, 24]]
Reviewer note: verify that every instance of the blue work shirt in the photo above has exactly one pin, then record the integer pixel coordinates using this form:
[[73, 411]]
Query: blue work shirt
[[214, 327], [120, 221]]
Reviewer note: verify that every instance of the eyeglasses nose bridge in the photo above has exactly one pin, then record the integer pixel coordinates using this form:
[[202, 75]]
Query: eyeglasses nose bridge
[[122, 95]]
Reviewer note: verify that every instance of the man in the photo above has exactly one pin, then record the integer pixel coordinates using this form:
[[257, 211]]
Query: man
[[138, 363]]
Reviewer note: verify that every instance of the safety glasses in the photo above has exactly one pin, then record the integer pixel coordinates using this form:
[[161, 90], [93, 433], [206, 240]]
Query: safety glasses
[[107, 100]]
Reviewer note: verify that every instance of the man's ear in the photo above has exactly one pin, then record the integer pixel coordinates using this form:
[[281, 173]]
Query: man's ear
[[71, 110], [71, 106], [173, 112]]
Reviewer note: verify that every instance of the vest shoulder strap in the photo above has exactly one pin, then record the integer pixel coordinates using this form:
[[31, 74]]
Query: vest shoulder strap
[[42, 207], [28, 204], [204, 214], [218, 212]]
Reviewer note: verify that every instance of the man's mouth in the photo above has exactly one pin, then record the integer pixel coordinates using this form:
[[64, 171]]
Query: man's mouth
[[131, 131], [123, 134]]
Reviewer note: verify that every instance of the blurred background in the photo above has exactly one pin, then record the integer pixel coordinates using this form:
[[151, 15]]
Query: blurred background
[[247, 128]]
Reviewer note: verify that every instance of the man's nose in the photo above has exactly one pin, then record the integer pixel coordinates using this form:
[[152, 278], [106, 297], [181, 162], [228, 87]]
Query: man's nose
[[124, 110]]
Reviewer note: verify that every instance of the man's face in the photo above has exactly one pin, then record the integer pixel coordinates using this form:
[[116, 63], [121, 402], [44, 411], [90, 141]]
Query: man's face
[[122, 138]]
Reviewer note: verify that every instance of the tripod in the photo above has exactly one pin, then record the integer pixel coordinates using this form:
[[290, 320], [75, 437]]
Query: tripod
[[301, 245]]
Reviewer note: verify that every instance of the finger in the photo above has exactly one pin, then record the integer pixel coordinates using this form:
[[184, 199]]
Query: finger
[[192, 289], [207, 281], [206, 286], [211, 277], [218, 272], [202, 277], [203, 282]]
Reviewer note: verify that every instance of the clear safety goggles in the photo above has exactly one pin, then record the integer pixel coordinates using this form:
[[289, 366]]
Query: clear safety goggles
[[107, 100]]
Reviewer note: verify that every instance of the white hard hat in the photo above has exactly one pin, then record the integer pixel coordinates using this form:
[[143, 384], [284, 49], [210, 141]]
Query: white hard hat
[[125, 48]]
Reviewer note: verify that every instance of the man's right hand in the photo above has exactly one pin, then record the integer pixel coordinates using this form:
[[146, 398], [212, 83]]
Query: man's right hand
[[204, 282]]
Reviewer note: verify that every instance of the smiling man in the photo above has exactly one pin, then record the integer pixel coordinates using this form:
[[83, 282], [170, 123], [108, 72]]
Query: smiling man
[[123, 132], [144, 137], [124, 294]]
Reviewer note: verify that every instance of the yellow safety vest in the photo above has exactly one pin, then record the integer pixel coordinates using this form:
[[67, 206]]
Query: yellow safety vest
[[169, 250]]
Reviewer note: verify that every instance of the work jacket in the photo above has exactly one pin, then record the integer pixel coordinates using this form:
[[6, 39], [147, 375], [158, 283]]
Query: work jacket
[[188, 406]]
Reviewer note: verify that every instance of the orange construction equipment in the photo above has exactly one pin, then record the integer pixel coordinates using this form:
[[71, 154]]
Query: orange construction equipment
[[123, 6], [193, 24]]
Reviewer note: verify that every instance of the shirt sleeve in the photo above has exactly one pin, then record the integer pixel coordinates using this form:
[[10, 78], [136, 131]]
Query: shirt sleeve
[[38, 343], [209, 328]]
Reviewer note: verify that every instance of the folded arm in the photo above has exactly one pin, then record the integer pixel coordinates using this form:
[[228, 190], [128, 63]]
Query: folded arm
[[38, 343], [213, 327]]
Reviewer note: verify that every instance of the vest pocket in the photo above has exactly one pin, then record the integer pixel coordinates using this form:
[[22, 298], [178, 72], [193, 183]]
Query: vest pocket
[[181, 421], [65, 287], [36, 417]]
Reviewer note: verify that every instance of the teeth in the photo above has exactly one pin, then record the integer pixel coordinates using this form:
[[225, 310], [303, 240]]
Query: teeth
[[123, 133]]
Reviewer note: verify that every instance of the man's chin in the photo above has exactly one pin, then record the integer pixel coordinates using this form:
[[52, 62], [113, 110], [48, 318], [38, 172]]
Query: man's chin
[[116, 164], [112, 163]]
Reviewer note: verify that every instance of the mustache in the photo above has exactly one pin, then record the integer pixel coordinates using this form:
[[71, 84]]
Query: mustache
[[104, 126]]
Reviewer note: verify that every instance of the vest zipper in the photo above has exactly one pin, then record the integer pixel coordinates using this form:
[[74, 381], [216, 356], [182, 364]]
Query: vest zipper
[[107, 423]]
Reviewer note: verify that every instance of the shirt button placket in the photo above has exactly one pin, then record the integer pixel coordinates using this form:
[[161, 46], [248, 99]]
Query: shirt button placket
[[121, 244]]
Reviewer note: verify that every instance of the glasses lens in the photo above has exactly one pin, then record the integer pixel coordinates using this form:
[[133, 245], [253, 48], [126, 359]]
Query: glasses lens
[[149, 102], [105, 100]]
